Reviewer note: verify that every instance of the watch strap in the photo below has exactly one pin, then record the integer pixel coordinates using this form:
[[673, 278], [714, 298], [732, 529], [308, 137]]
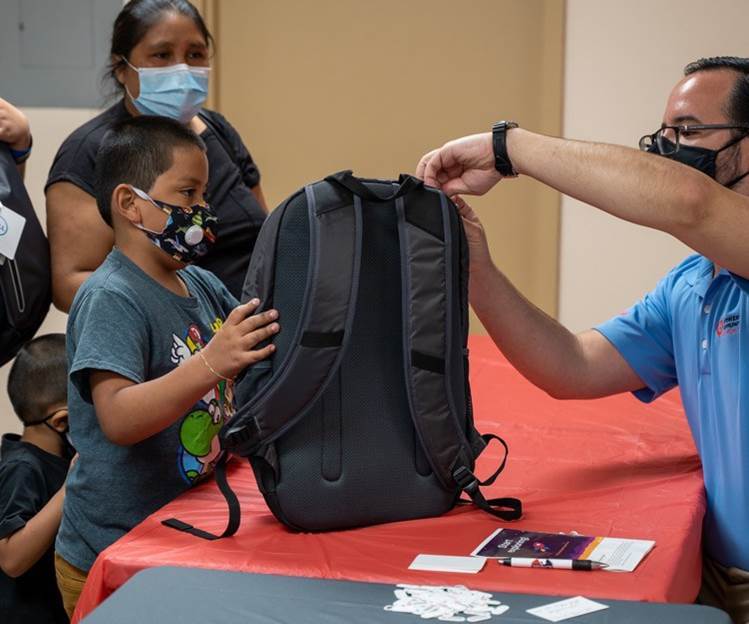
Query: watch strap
[[502, 162]]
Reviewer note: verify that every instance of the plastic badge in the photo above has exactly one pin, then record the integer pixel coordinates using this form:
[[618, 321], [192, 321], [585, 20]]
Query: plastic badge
[[11, 228], [446, 603]]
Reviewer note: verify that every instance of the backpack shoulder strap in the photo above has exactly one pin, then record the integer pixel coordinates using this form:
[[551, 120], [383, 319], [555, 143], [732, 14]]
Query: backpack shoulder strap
[[428, 344], [335, 223], [427, 337], [258, 283]]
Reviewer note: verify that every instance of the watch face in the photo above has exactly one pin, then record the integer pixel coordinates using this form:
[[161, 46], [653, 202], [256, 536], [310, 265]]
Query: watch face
[[504, 125]]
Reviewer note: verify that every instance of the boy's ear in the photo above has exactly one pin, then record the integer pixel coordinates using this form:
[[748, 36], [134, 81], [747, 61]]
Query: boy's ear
[[124, 203], [59, 420]]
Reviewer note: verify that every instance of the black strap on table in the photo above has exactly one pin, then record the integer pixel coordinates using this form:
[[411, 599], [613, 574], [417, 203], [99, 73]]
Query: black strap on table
[[506, 508], [347, 180], [231, 501]]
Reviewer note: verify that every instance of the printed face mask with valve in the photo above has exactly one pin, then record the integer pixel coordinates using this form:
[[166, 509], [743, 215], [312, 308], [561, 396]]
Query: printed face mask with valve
[[188, 233]]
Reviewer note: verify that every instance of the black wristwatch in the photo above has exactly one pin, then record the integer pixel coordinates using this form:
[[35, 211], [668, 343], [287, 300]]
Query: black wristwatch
[[502, 161]]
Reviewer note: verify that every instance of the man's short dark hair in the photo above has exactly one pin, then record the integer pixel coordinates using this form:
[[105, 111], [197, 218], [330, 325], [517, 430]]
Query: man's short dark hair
[[737, 107], [137, 151], [38, 378]]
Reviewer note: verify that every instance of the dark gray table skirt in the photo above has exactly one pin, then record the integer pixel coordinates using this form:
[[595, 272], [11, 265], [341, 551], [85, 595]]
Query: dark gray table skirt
[[170, 595]]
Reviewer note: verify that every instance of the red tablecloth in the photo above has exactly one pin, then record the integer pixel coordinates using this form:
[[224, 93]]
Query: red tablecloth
[[611, 467]]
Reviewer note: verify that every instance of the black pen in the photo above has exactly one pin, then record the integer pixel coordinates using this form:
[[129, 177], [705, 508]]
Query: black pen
[[552, 564]]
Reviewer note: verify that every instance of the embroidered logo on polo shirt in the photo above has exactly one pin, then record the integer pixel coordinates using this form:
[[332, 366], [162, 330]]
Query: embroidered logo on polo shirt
[[728, 325]]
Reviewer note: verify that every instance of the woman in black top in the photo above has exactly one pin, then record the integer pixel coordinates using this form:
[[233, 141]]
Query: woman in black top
[[169, 35]]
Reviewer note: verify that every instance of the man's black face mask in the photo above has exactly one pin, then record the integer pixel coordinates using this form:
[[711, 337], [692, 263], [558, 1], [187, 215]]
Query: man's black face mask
[[701, 158]]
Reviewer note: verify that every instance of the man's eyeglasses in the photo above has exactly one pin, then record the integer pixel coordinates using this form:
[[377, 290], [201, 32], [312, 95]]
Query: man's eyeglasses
[[667, 138]]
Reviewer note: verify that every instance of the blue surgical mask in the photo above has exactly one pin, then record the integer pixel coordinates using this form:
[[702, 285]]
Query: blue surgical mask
[[177, 91]]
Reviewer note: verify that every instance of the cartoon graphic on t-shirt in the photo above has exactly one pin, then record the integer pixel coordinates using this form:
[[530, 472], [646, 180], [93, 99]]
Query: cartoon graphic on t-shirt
[[198, 432], [200, 446]]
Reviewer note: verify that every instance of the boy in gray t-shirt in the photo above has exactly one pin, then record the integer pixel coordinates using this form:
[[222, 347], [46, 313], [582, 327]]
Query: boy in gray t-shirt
[[144, 413]]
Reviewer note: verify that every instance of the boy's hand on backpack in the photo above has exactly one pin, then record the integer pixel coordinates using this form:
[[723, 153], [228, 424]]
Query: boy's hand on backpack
[[478, 247], [232, 348]]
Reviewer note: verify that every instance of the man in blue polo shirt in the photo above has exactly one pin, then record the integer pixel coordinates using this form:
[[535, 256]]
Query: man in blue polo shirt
[[692, 330]]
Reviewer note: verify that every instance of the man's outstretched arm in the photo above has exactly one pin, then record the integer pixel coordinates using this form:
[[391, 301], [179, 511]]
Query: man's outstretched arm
[[632, 185]]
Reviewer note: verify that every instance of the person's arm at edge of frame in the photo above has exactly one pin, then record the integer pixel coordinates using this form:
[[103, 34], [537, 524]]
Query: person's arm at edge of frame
[[79, 240], [565, 365], [15, 131], [655, 192]]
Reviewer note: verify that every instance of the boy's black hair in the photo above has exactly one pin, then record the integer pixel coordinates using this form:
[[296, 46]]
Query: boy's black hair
[[137, 151], [38, 378]]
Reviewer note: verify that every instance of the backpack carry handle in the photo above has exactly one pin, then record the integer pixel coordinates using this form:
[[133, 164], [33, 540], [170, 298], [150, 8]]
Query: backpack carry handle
[[350, 182]]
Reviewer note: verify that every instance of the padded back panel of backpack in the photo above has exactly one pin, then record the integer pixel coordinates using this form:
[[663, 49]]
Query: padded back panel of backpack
[[354, 459]]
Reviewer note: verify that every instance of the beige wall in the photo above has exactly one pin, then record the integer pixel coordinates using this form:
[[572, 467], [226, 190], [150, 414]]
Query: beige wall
[[315, 87], [622, 59]]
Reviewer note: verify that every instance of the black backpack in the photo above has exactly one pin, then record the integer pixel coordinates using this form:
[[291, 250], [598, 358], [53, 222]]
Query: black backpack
[[25, 283], [363, 415]]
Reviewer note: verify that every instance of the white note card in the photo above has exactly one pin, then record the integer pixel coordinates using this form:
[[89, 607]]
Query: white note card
[[566, 609], [446, 563], [11, 228]]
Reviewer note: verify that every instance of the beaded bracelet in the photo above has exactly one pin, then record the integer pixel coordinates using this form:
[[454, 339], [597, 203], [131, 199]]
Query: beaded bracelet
[[210, 368]]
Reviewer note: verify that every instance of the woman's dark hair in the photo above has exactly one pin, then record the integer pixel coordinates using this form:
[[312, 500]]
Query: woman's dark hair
[[134, 21]]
